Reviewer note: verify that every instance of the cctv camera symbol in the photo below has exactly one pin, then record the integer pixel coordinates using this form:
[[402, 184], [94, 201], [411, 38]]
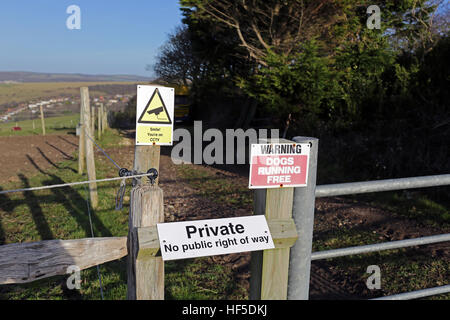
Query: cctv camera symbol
[[156, 111]]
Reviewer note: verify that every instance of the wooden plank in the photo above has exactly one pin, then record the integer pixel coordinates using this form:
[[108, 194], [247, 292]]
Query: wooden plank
[[148, 241], [89, 146], [275, 274], [284, 235], [27, 262], [275, 267], [284, 232]]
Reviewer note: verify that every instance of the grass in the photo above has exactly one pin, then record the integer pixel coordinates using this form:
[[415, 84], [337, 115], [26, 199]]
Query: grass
[[198, 279], [25, 92], [56, 125], [422, 207]]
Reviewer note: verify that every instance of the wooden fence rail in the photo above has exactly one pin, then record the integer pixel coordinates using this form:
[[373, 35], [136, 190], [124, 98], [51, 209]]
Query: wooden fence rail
[[27, 262]]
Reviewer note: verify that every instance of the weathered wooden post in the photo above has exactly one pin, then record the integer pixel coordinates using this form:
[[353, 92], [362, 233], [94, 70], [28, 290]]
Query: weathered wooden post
[[89, 146], [145, 273], [42, 120], [105, 118], [81, 143], [92, 110], [269, 268], [99, 122]]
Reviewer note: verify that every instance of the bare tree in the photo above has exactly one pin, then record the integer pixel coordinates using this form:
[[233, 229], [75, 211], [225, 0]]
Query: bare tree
[[280, 26], [176, 62]]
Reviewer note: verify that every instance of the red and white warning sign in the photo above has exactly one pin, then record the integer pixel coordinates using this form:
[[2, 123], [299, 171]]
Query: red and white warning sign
[[279, 165]]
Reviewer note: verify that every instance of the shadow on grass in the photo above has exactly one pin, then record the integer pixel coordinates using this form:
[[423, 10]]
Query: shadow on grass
[[33, 203], [74, 203], [49, 161]]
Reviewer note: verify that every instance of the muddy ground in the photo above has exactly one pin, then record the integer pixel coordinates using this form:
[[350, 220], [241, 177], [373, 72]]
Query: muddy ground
[[19, 153]]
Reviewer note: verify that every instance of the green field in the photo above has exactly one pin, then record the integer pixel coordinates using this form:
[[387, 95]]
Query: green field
[[56, 125], [25, 92]]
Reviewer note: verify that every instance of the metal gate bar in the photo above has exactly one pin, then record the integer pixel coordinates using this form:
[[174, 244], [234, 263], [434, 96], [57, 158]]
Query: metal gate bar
[[318, 255], [340, 189], [417, 294]]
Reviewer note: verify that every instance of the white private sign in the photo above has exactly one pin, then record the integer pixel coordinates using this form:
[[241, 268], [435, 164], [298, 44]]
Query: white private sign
[[154, 115], [190, 239]]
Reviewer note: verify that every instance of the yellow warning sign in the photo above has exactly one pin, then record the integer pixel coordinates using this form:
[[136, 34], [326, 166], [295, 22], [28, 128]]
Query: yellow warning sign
[[155, 115], [153, 135], [155, 111]]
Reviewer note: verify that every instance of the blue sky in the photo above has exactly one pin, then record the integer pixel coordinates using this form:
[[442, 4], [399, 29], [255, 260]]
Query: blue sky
[[116, 36]]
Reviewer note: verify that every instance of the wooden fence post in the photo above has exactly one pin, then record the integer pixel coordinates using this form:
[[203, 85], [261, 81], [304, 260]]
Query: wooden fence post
[[42, 120], [90, 163], [269, 268], [105, 118], [81, 143], [99, 122], [145, 273], [92, 110]]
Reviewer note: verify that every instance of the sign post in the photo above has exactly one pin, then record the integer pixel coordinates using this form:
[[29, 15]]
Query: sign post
[[271, 163], [145, 273]]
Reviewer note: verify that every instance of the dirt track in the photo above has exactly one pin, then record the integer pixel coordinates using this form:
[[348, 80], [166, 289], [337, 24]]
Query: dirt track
[[25, 155]]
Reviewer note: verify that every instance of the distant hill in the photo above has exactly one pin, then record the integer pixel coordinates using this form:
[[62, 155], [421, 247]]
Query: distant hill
[[11, 77]]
